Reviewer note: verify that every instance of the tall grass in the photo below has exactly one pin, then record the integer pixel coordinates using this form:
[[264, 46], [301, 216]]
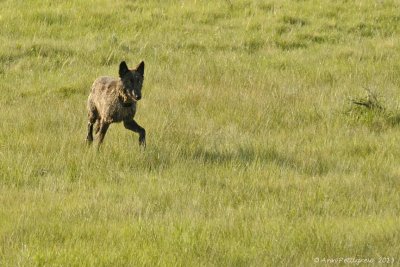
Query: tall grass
[[256, 155]]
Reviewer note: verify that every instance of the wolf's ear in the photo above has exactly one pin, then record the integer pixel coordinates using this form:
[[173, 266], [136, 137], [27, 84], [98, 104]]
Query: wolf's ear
[[140, 68], [123, 69]]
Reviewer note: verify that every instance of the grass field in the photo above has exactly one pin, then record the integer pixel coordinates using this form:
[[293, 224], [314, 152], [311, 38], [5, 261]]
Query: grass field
[[255, 154]]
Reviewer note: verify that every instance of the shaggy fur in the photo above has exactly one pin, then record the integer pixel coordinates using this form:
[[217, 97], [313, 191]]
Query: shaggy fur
[[114, 100]]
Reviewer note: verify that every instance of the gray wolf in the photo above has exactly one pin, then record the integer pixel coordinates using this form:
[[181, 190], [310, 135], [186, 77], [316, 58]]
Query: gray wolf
[[114, 100]]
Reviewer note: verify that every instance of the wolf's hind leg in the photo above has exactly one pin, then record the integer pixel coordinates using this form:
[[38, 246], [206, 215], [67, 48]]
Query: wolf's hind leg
[[92, 120], [103, 130], [97, 126]]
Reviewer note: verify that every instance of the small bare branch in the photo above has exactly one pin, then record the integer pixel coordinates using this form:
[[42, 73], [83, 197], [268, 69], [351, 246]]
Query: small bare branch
[[370, 102]]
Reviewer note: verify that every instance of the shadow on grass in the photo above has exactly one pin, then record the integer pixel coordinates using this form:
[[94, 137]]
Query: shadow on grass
[[393, 119], [159, 159], [245, 156]]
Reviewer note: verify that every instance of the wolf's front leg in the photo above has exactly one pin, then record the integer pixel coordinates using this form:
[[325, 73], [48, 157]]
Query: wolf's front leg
[[133, 126]]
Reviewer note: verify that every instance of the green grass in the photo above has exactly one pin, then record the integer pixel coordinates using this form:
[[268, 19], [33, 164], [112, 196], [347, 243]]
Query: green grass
[[256, 155]]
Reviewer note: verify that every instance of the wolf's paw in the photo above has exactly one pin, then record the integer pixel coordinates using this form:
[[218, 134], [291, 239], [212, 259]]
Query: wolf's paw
[[89, 140], [142, 141]]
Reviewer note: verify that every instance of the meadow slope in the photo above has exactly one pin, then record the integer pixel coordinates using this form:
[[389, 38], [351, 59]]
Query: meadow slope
[[256, 155]]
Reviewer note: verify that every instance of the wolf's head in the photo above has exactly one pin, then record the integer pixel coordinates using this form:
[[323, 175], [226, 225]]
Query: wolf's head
[[132, 79]]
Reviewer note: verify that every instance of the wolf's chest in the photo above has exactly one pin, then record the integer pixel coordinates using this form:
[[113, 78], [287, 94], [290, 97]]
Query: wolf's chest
[[123, 112]]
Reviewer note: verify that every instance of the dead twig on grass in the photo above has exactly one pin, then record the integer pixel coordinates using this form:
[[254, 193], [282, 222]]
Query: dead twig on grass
[[370, 102]]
